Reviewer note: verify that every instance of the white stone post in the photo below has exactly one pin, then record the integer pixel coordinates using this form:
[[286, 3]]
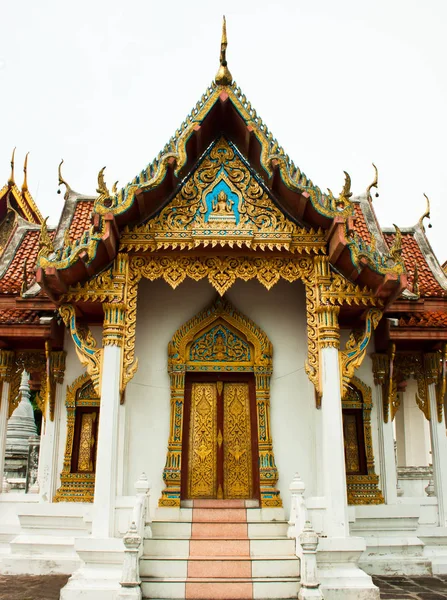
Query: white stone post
[[297, 508], [439, 455], [333, 456], [433, 371], [141, 514], [49, 439], [6, 363], [107, 452], [130, 581], [387, 455], [310, 587]]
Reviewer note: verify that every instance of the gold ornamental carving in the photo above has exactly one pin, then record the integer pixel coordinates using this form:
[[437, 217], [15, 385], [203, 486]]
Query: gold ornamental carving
[[435, 367], [393, 368], [114, 323], [78, 485], [255, 351], [362, 489], [48, 365], [85, 345], [237, 442], [202, 468], [383, 370], [328, 329], [6, 364], [222, 204], [352, 357]]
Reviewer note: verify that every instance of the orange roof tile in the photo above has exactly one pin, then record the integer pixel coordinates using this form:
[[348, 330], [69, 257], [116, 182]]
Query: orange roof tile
[[412, 254], [80, 221], [426, 319], [18, 316], [360, 225], [12, 280]]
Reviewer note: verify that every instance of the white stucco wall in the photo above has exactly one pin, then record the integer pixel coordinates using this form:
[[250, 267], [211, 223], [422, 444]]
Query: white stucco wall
[[280, 312], [412, 430]]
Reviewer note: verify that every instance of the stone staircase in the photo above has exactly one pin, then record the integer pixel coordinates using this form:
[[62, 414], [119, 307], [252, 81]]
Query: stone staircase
[[223, 549]]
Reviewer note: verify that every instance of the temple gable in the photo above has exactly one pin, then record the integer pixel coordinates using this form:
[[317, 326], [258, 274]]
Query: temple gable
[[224, 203]]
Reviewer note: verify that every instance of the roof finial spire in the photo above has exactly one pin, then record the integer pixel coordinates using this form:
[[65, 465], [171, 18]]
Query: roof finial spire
[[223, 76], [11, 178], [25, 179], [62, 181], [426, 214]]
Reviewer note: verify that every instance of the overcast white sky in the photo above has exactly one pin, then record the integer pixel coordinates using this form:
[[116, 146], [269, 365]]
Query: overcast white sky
[[340, 83]]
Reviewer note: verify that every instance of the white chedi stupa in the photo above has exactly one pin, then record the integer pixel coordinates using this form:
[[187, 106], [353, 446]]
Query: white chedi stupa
[[21, 426]]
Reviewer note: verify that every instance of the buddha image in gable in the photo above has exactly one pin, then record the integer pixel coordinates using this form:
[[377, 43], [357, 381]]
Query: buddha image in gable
[[222, 205]]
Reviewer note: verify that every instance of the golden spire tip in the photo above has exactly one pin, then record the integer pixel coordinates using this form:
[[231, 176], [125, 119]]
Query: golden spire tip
[[62, 181], [426, 214], [223, 76], [11, 178], [25, 178]]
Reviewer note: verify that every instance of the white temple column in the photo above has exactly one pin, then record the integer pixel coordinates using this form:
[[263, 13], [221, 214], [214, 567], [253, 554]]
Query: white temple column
[[333, 455], [387, 459], [108, 431], [49, 439], [438, 436], [6, 363]]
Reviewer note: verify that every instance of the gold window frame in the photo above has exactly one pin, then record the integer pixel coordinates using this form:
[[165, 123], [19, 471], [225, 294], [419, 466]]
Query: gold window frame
[[76, 487]]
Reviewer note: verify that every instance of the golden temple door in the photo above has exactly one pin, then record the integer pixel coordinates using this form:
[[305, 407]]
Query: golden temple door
[[220, 439]]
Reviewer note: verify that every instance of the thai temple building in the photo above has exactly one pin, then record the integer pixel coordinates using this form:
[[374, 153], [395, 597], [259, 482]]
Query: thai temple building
[[237, 373]]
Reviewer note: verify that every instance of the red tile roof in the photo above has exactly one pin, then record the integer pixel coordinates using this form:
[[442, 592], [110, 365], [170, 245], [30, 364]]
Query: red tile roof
[[426, 319], [13, 316], [360, 225], [412, 254], [80, 221], [12, 280]]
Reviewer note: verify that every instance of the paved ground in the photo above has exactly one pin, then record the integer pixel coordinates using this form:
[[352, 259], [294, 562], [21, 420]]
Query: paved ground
[[15, 587], [30, 587], [414, 588]]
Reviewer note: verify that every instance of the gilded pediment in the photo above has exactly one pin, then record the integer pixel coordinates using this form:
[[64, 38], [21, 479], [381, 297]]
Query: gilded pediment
[[222, 203]]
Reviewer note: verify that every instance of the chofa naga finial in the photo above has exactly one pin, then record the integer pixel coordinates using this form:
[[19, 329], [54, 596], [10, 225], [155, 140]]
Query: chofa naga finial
[[11, 177], [223, 76], [62, 181], [25, 174], [426, 214]]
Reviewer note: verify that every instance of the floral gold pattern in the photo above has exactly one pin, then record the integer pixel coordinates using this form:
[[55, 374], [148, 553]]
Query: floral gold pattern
[[77, 486], [363, 489], [202, 471], [237, 442], [220, 314]]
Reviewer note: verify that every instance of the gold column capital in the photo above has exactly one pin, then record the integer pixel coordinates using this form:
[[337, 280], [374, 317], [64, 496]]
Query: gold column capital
[[6, 364], [432, 367], [328, 327], [114, 323], [381, 367]]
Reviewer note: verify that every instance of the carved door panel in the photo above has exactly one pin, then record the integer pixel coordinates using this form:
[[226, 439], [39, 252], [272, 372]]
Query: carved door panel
[[237, 441], [355, 457], [219, 441], [202, 467]]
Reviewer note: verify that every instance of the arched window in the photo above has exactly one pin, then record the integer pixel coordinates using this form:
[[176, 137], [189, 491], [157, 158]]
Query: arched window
[[362, 481], [78, 473]]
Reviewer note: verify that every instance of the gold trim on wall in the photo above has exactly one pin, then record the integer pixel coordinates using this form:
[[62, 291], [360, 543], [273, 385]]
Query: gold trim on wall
[[258, 361], [76, 487], [363, 489]]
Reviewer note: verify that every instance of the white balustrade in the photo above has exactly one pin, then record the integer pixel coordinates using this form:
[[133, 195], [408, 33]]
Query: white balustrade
[[310, 587], [298, 512], [133, 541]]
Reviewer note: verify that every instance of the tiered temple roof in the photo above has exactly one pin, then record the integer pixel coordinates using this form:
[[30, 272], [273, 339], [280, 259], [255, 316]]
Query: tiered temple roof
[[37, 264]]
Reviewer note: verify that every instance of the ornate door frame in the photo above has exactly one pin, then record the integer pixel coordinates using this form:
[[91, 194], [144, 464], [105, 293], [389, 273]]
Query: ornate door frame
[[220, 380], [220, 339]]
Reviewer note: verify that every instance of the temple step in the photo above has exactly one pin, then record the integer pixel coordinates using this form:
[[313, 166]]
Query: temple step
[[222, 550]]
